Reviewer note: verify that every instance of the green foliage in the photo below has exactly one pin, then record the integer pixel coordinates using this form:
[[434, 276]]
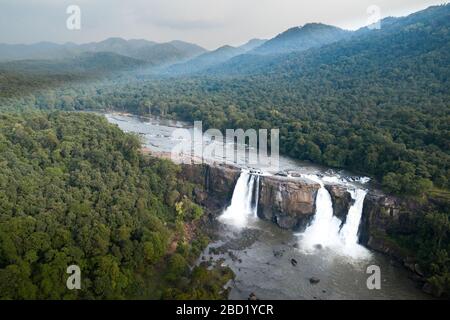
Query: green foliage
[[203, 284], [76, 190]]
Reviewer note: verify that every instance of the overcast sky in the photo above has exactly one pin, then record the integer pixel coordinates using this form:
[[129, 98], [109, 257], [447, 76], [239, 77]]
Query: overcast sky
[[209, 23]]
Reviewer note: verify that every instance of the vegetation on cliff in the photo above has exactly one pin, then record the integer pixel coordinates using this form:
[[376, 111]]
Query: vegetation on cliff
[[76, 190], [376, 103]]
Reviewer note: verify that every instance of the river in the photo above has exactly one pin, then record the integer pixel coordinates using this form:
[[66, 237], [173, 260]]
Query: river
[[278, 264]]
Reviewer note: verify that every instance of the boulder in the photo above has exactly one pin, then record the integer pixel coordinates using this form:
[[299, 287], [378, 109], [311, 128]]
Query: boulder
[[252, 297], [314, 280]]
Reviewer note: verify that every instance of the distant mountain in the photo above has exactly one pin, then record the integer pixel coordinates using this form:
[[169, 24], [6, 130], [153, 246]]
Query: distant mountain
[[400, 40], [212, 58], [311, 35], [296, 39], [252, 44], [41, 50], [189, 49], [115, 45], [166, 53], [151, 52], [84, 63], [20, 77]]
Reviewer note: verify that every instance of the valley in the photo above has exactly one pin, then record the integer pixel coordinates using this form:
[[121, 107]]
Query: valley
[[115, 157], [260, 248]]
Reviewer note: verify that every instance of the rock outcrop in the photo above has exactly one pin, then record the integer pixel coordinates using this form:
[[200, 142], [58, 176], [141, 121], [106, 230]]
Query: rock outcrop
[[342, 201], [216, 183], [385, 216], [288, 202]]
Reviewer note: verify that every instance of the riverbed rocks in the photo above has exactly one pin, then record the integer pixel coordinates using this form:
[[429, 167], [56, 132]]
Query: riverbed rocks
[[252, 297], [314, 280], [278, 253], [287, 202]]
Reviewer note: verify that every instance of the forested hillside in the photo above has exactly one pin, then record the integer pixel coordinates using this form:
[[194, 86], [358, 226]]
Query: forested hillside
[[76, 190], [151, 52], [376, 103]]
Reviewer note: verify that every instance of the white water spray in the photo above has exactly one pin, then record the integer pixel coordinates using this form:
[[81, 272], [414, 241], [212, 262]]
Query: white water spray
[[349, 232], [241, 202], [255, 205], [324, 228]]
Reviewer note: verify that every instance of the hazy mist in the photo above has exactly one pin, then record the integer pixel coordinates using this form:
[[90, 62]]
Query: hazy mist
[[209, 23]]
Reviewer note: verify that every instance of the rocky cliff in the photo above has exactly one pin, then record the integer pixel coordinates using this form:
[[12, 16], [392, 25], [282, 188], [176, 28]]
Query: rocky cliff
[[386, 219], [216, 183], [342, 201], [288, 202], [384, 216]]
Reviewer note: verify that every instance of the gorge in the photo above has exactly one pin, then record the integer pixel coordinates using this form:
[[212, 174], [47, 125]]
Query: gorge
[[266, 223]]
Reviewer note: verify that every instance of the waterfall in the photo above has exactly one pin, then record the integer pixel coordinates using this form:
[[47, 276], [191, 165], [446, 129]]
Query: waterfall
[[324, 228], [241, 206], [256, 192], [349, 232]]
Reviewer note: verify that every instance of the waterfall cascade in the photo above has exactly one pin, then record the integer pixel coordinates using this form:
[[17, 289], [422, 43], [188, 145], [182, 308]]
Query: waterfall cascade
[[256, 198], [244, 202], [325, 228], [349, 232]]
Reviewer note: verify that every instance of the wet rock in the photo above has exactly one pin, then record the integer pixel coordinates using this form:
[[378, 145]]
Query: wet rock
[[233, 257], [432, 290], [295, 174], [342, 201], [314, 280], [296, 245], [277, 254], [418, 270], [294, 262], [218, 182], [252, 297]]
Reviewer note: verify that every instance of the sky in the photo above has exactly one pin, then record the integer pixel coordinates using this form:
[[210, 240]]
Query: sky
[[209, 23]]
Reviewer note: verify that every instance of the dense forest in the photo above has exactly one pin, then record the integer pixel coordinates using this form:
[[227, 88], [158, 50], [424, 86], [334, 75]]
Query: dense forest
[[76, 190], [376, 103], [344, 105]]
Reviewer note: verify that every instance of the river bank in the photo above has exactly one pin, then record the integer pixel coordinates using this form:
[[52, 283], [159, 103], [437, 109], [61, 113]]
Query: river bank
[[270, 263]]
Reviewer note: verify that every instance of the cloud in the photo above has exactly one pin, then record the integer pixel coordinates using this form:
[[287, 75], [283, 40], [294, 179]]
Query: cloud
[[210, 23]]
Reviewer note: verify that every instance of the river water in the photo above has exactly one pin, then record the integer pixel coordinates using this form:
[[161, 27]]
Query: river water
[[278, 264]]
